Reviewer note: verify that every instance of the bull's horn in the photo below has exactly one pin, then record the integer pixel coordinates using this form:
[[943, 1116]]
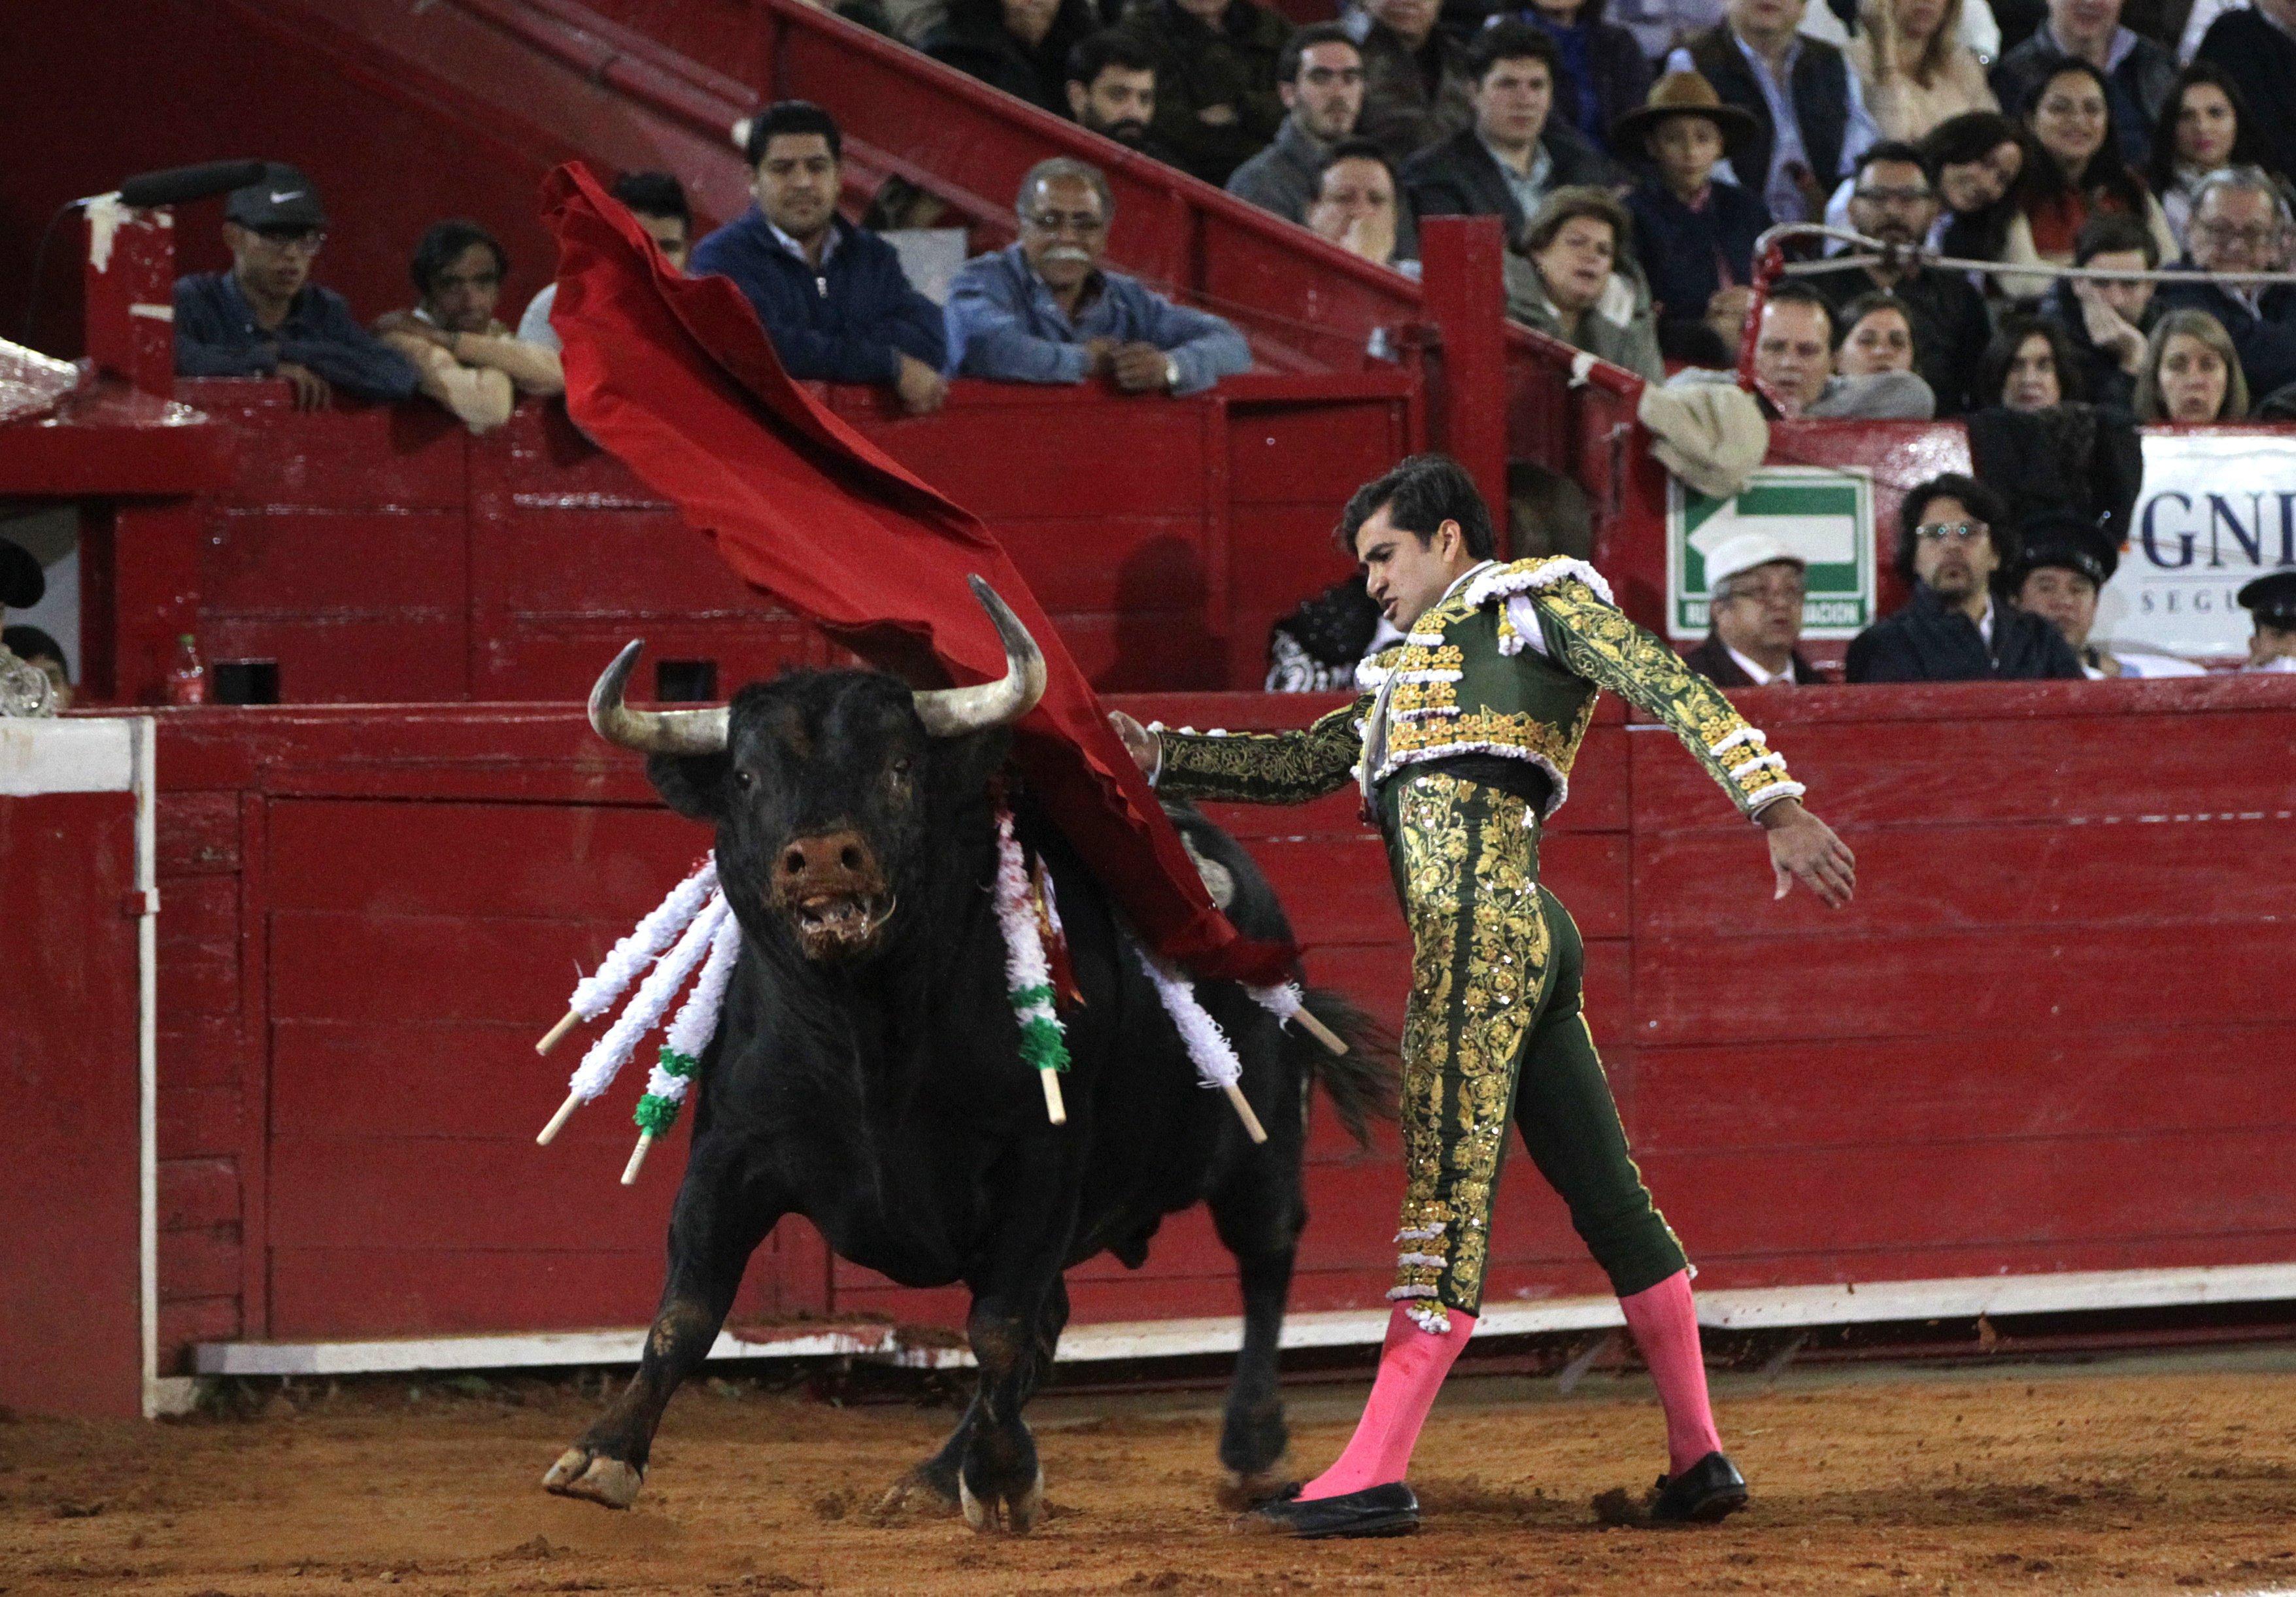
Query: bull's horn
[[952, 712], [650, 731]]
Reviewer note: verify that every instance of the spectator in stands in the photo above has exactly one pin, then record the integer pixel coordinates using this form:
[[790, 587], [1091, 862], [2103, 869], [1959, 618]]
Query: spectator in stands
[[657, 201], [1913, 67], [1579, 284], [2190, 371], [1515, 155], [1216, 101], [1893, 198], [2105, 323], [1873, 334], [1793, 367], [1951, 540], [45, 655], [2240, 223], [1321, 82], [2061, 567], [1810, 116], [1757, 585], [1045, 310], [2204, 127], [1695, 233], [1359, 206], [265, 317], [1978, 158], [2134, 71], [2079, 173], [1604, 74], [1020, 46], [2271, 603], [833, 297], [2029, 365], [1112, 92], [2256, 48], [1417, 87], [471, 363]]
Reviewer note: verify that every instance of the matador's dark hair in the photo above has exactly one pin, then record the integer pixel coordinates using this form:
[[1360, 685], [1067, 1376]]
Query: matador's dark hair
[[1420, 494]]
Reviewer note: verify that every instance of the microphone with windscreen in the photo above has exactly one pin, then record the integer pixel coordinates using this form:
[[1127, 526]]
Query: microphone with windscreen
[[178, 185]]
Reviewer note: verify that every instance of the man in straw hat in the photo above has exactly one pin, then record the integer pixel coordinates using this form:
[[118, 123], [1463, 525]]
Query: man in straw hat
[[1696, 232]]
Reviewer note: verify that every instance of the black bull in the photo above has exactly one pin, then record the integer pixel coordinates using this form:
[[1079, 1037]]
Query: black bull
[[867, 1075]]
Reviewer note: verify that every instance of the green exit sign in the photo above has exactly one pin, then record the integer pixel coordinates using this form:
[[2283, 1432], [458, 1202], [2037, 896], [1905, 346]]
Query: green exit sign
[[1824, 516]]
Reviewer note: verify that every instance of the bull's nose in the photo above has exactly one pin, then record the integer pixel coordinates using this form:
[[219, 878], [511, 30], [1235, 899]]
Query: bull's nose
[[831, 853]]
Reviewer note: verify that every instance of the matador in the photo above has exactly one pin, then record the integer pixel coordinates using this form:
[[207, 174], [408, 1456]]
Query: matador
[[1463, 740]]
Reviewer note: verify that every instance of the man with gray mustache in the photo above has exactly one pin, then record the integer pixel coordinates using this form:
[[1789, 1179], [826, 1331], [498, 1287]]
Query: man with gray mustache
[[1045, 310]]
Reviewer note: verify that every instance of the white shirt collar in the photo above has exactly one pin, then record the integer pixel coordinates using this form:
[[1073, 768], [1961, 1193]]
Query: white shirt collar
[[1985, 622], [828, 246], [1762, 678]]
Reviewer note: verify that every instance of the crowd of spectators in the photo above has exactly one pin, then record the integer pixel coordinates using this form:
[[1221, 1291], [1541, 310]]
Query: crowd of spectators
[[1634, 153]]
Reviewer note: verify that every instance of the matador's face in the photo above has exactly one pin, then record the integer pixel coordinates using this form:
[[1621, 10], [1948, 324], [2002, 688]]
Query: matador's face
[[1405, 572]]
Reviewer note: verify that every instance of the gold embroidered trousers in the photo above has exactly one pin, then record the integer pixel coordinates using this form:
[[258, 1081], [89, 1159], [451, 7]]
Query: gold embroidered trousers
[[1494, 1034]]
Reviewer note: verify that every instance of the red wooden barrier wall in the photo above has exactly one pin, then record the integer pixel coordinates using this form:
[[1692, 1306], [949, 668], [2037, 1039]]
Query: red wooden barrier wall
[[2046, 1038], [386, 554]]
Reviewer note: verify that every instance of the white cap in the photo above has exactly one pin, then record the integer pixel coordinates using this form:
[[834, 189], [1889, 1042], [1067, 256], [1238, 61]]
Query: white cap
[[1743, 552]]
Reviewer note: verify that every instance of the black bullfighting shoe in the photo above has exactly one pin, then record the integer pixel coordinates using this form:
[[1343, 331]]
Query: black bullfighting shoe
[[1710, 1489], [1386, 1510]]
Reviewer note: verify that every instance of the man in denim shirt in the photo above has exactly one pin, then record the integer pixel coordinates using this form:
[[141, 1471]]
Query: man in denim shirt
[[1042, 310], [266, 318]]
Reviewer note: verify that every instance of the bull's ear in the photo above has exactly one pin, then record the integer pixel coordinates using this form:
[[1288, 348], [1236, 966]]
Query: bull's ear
[[692, 785]]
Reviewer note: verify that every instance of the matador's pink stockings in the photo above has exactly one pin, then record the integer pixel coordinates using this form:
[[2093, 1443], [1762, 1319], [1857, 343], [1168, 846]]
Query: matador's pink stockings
[[1666, 1329], [1411, 1366]]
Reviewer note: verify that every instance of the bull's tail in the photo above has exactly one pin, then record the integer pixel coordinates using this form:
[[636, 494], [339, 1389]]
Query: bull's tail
[[1363, 1083]]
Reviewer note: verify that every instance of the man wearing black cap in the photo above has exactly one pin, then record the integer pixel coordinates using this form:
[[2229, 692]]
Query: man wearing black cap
[[2272, 602], [24, 688], [266, 318], [2059, 570], [1950, 543]]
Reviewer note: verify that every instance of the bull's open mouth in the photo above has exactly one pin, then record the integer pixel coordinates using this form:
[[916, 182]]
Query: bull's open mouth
[[837, 924]]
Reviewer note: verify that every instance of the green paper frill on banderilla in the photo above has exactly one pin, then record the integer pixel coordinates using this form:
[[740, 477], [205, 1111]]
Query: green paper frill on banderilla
[[1043, 1047], [657, 1113]]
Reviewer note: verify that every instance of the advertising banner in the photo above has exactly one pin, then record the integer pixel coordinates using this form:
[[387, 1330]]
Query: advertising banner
[[2218, 511]]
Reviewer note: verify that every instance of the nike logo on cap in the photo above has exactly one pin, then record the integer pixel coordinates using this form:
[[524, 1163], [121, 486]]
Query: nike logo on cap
[[279, 198]]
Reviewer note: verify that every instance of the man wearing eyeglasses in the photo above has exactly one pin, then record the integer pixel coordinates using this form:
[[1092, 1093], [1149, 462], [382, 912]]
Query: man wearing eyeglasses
[[1758, 586], [2240, 223], [1045, 310], [1894, 199], [1954, 630], [1320, 77], [265, 317]]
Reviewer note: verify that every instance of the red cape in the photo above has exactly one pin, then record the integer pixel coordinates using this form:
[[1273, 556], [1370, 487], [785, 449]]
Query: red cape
[[675, 376]]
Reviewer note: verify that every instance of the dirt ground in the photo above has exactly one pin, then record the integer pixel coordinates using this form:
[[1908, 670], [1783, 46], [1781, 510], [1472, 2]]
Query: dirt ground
[[2153, 1475]]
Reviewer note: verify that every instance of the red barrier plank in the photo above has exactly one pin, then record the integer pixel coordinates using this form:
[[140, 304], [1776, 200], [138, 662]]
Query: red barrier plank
[[1946, 1260], [1888, 1093], [411, 456], [2132, 1186], [387, 1192], [199, 946], [559, 863], [195, 1193], [341, 965], [1920, 879], [353, 1291], [1967, 985]]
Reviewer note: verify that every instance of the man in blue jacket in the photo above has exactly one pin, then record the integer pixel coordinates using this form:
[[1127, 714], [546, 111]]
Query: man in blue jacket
[[1045, 310], [833, 298], [266, 318]]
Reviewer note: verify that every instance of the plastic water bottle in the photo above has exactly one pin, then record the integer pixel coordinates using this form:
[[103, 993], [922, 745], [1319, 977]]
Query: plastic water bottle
[[188, 678]]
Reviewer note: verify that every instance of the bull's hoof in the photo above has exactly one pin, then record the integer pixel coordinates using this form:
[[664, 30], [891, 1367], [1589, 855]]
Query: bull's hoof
[[581, 1473], [1239, 1492], [924, 1489], [1019, 1513]]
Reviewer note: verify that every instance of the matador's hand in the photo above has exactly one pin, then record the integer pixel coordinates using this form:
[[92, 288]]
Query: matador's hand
[[1147, 750], [1802, 845]]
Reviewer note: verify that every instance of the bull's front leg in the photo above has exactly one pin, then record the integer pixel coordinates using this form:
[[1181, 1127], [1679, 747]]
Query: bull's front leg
[[1014, 1327], [723, 1213]]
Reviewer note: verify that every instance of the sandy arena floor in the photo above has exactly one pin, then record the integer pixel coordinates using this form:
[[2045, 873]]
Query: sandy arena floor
[[2161, 1475]]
